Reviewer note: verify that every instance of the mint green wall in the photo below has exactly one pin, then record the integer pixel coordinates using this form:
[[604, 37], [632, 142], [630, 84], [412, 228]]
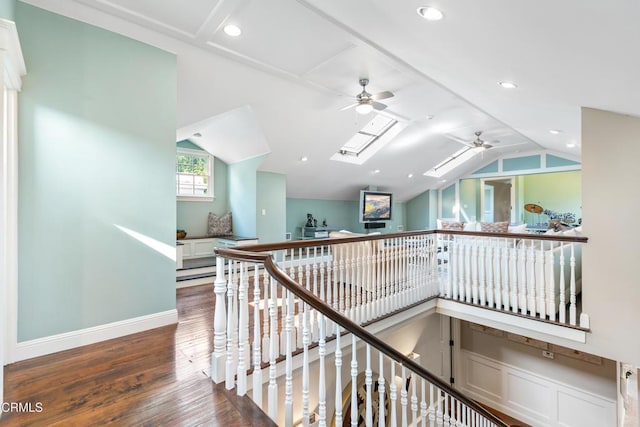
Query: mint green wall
[[418, 212], [448, 201], [192, 216], [242, 187], [470, 210], [272, 197], [560, 192], [7, 9], [340, 214], [97, 150]]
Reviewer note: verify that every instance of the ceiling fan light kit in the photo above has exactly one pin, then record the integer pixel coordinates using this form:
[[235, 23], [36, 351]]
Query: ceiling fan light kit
[[366, 102], [364, 108]]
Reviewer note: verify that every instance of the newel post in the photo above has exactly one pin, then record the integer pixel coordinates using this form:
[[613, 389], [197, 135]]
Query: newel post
[[218, 357]]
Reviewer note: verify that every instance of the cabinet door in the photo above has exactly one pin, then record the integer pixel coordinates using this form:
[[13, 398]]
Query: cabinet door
[[203, 247]]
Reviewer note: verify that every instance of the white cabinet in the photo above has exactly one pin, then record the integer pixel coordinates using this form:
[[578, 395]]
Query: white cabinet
[[203, 246]]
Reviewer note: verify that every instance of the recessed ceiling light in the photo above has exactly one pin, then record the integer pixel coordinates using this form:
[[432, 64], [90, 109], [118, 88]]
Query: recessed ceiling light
[[571, 144], [197, 135], [430, 13], [376, 171], [429, 116], [304, 158], [443, 180], [232, 30], [410, 175], [555, 131], [508, 85]]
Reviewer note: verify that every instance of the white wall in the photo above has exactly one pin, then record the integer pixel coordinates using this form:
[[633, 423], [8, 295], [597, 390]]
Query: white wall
[[516, 379], [611, 294]]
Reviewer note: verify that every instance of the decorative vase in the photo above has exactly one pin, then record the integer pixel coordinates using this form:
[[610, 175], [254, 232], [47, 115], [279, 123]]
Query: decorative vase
[[181, 235]]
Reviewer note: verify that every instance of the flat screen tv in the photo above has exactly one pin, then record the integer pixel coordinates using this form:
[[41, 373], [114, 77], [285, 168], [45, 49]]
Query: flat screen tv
[[375, 206]]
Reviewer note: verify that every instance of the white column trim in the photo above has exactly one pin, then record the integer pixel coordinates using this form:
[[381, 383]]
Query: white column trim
[[13, 68]]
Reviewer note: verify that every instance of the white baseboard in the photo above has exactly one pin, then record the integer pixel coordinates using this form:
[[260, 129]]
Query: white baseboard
[[69, 340]]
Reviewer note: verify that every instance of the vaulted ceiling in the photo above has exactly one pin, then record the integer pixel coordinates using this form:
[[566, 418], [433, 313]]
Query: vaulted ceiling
[[279, 88]]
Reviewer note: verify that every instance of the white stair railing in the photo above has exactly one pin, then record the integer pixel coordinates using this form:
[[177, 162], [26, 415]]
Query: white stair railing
[[365, 405]]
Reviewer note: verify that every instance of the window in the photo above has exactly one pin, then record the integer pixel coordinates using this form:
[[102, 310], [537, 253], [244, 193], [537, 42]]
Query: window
[[194, 175]]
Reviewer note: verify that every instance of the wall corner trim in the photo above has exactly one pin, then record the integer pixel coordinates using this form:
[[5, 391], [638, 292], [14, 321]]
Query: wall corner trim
[[92, 335], [14, 66]]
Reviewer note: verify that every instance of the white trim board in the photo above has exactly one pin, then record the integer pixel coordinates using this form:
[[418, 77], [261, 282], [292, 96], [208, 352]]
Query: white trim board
[[92, 335]]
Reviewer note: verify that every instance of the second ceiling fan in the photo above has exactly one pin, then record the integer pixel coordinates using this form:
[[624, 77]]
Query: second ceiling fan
[[367, 102]]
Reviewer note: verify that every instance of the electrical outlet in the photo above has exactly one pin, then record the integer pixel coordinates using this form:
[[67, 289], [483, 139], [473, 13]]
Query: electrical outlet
[[548, 354]]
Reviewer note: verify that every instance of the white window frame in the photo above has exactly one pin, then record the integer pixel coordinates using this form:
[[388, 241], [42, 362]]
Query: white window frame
[[196, 198]]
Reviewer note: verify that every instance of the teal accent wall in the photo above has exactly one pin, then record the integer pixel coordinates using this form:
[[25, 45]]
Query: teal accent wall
[[242, 193], [418, 210], [185, 143], [555, 161], [490, 168], [521, 163], [97, 120], [272, 198], [192, 216], [7, 9], [448, 201]]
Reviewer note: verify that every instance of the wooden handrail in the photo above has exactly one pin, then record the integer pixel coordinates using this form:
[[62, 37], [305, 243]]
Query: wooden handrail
[[296, 244], [316, 303]]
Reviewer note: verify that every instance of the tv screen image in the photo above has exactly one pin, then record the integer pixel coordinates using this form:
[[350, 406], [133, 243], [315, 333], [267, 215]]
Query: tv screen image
[[375, 206]]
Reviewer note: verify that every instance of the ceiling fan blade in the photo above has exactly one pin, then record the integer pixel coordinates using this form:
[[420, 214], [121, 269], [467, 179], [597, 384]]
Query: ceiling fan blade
[[349, 106], [382, 95], [487, 146], [378, 106]]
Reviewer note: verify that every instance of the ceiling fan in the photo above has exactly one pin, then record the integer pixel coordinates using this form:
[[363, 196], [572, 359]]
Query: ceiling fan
[[478, 143], [368, 102]]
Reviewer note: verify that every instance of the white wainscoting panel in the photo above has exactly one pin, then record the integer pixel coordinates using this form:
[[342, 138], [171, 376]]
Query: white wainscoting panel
[[532, 398]]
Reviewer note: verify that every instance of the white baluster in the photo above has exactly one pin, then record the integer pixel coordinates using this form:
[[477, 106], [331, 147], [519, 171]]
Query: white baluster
[[393, 419], [522, 278], [368, 381], [468, 272], [439, 414], [562, 308], [551, 289], [513, 277], [338, 393], [531, 285], [453, 420], [572, 289], [505, 276], [497, 272], [482, 269], [432, 408], [423, 402], [314, 313], [541, 283], [273, 352], [219, 325], [473, 272], [382, 422], [243, 328], [403, 397], [322, 391], [447, 417], [354, 383], [489, 269], [257, 343], [305, 364], [414, 400], [266, 317], [231, 327], [288, 383]]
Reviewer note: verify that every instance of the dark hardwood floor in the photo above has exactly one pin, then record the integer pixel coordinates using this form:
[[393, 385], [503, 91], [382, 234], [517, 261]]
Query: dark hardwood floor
[[154, 378]]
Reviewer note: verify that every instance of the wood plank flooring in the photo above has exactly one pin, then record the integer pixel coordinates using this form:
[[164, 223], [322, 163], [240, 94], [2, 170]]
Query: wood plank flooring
[[154, 378]]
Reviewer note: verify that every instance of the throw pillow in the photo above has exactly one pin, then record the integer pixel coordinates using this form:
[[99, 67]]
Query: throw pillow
[[522, 228], [452, 225], [219, 225], [494, 227]]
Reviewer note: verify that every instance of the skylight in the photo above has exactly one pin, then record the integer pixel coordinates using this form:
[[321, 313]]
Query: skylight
[[452, 162], [373, 136]]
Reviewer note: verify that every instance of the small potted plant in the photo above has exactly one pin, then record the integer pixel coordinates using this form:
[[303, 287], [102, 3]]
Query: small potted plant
[[181, 234]]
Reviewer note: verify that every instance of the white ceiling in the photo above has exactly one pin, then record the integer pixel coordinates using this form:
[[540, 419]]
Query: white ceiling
[[279, 87]]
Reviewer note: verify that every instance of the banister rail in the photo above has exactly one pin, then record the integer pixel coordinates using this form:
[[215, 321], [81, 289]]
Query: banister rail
[[249, 254]]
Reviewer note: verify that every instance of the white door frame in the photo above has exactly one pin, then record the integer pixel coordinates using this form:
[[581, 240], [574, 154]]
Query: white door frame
[[13, 68]]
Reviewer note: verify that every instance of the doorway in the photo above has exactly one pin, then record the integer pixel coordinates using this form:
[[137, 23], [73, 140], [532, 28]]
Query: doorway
[[496, 200]]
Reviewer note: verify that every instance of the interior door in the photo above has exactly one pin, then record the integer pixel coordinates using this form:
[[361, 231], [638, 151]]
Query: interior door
[[497, 199]]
